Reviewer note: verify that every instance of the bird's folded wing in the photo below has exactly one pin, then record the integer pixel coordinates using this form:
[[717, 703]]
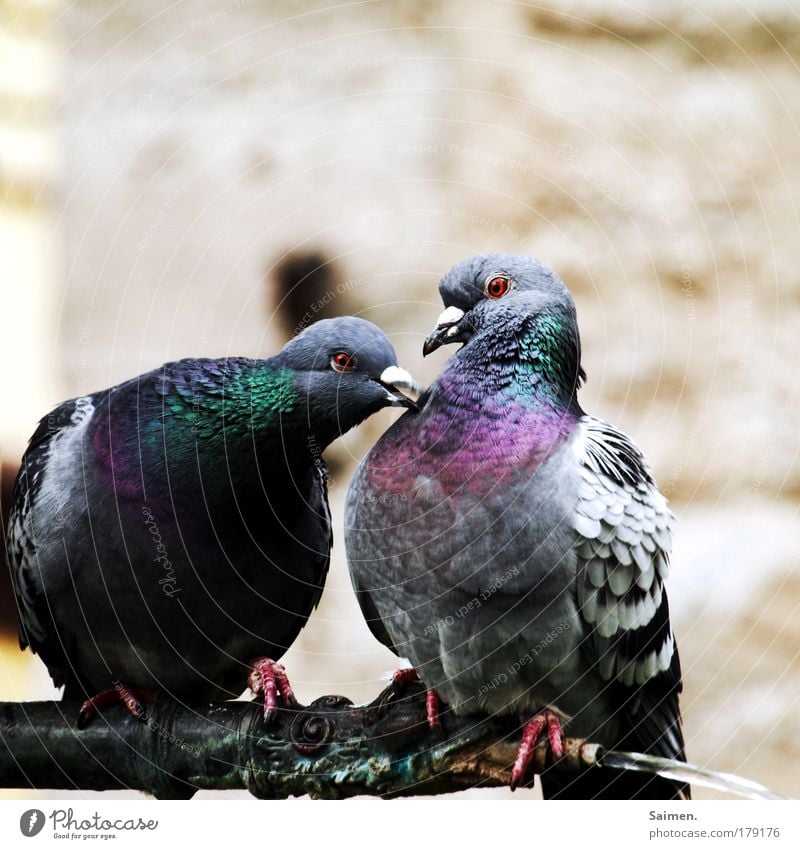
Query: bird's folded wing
[[20, 543], [624, 539]]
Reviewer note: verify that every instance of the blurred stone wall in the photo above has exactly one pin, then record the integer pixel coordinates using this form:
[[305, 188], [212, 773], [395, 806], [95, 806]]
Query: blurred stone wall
[[647, 151], [650, 157]]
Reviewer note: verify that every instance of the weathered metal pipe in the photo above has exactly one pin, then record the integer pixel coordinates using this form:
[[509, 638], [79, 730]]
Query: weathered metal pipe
[[329, 749]]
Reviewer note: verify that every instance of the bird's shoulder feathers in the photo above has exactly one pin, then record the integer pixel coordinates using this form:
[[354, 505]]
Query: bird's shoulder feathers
[[624, 529]]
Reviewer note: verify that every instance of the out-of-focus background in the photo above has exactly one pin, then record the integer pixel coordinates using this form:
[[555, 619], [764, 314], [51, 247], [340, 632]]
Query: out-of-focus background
[[200, 178]]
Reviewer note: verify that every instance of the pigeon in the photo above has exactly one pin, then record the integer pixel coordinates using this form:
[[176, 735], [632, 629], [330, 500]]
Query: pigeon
[[514, 548], [170, 531]]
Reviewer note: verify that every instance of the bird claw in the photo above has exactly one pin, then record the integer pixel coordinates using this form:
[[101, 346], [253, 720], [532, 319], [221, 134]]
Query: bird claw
[[432, 710], [130, 697], [409, 675], [270, 679], [541, 723]]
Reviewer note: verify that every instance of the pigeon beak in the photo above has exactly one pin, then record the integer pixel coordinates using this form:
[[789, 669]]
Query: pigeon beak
[[393, 379], [446, 331]]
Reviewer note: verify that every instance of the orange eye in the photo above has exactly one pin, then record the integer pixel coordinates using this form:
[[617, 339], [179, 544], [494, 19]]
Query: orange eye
[[341, 362], [497, 287]]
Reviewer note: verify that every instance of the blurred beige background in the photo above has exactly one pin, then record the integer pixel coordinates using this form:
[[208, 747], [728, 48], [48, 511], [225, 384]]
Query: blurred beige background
[[193, 178]]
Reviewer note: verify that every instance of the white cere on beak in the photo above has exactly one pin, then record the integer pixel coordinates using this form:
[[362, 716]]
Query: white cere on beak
[[452, 315], [400, 379]]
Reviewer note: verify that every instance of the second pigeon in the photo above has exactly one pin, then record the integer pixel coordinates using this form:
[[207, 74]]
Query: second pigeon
[[513, 547]]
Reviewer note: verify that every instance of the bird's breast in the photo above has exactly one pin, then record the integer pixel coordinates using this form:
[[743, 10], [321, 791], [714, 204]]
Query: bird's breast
[[454, 453], [455, 500]]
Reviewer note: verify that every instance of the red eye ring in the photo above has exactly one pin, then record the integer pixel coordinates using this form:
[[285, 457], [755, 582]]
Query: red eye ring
[[496, 287], [341, 361]]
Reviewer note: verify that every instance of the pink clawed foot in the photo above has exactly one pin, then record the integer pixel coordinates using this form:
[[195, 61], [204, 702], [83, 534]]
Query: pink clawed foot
[[269, 678], [409, 675], [131, 698], [432, 709], [540, 723]]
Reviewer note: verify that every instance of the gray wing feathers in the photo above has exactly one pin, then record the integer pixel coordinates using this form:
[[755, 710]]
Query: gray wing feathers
[[21, 543], [624, 528]]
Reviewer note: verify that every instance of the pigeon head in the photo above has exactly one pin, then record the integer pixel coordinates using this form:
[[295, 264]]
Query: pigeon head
[[510, 307], [346, 369], [489, 289]]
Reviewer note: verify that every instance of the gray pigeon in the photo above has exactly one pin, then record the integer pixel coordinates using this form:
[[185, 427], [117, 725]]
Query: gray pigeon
[[169, 532], [513, 547]]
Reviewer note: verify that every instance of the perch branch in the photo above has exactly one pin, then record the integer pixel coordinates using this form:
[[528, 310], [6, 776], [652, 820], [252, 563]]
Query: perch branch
[[330, 749]]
